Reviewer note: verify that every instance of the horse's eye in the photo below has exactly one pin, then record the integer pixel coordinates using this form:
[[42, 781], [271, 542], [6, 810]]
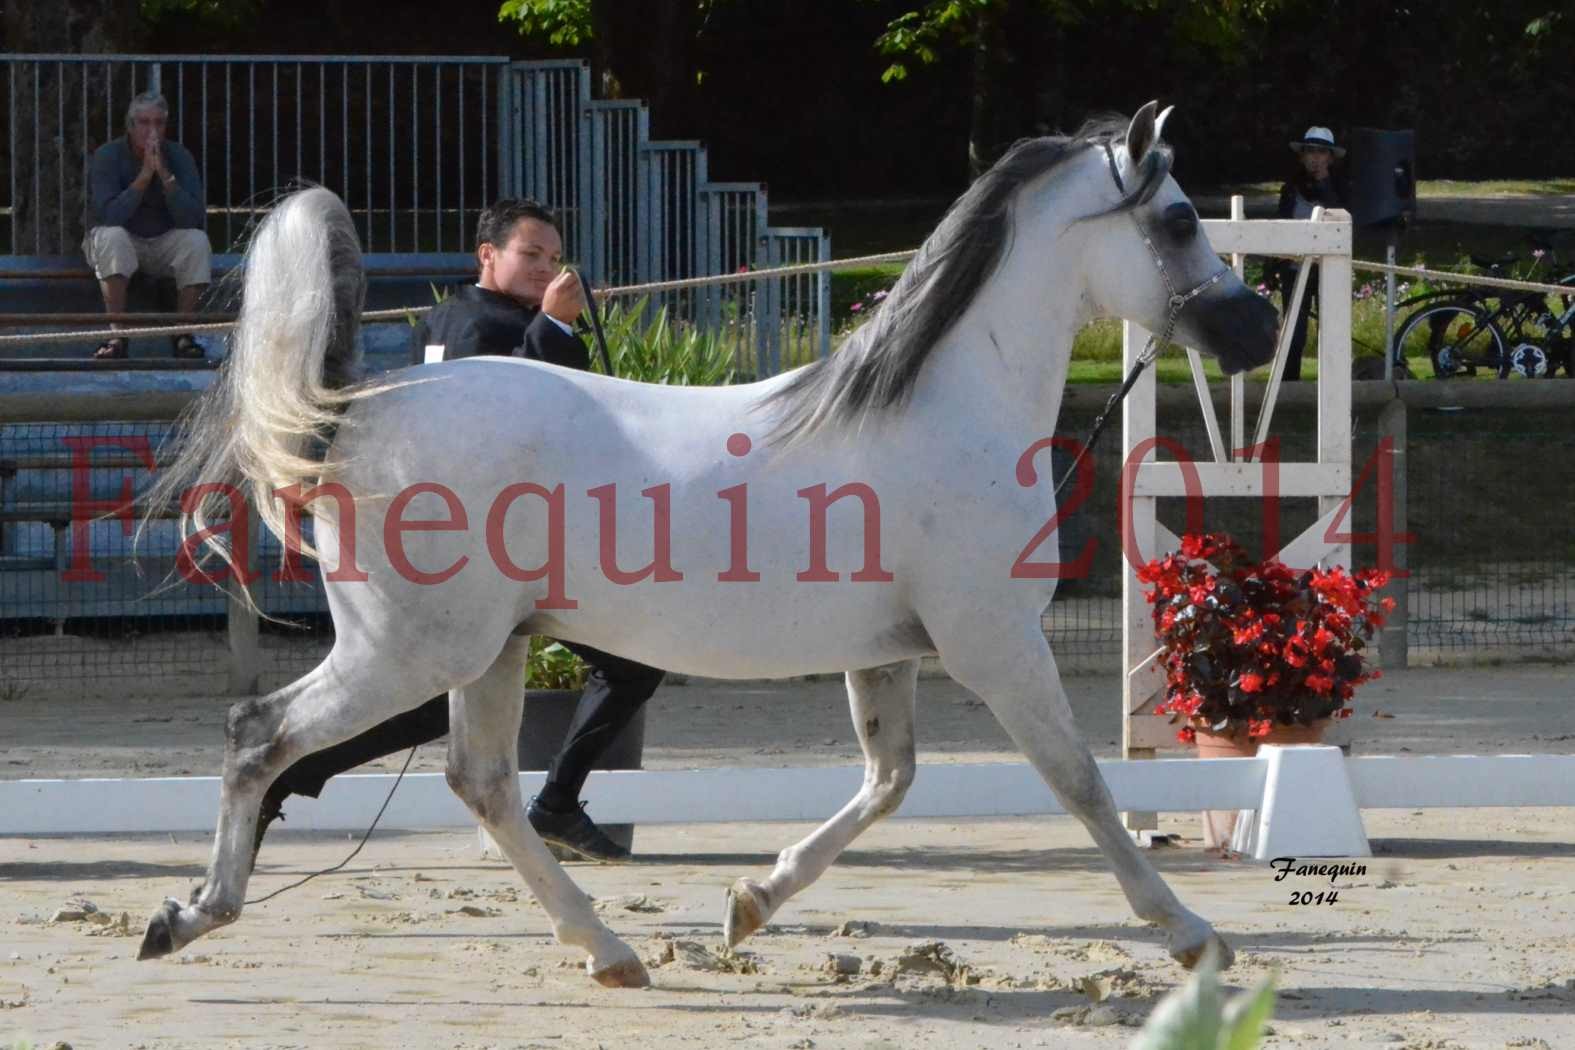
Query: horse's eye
[[1181, 220]]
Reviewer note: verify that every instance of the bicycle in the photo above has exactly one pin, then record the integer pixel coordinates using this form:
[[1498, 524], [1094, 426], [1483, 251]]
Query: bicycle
[[1512, 333]]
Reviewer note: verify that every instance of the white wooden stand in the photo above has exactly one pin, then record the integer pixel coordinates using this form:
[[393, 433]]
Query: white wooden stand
[[1232, 471]]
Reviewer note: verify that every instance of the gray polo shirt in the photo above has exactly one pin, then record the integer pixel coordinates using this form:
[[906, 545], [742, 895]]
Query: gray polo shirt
[[113, 201]]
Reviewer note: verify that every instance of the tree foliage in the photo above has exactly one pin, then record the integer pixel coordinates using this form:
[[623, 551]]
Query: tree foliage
[[562, 23], [221, 13], [919, 37]]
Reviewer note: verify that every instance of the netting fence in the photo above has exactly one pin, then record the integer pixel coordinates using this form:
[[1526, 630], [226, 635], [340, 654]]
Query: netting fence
[[99, 605]]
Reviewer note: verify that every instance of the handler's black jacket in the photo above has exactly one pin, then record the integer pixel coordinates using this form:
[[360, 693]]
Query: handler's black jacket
[[1330, 193], [474, 321]]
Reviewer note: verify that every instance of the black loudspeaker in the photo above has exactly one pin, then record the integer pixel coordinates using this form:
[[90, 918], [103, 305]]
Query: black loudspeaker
[[1382, 175]]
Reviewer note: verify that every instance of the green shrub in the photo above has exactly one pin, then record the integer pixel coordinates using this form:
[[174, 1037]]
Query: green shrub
[[648, 346], [1196, 1016], [551, 666]]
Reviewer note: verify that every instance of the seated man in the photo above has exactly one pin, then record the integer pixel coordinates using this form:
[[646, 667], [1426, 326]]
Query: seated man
[[521, 306], [145, 212]]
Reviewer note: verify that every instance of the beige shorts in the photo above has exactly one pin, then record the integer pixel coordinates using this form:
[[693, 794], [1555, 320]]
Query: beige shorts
[[182, 254]]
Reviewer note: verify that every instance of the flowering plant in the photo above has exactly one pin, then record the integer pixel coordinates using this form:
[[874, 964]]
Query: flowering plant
[[1250, 644]]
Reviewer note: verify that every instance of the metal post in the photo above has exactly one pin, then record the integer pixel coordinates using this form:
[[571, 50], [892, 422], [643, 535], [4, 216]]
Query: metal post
[[1392, 651], [823, 299], [1389, 311], [245, 650]]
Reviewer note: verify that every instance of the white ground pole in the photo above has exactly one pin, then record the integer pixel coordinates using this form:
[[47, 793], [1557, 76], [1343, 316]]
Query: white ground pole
[[1280, 784], [1231, 472]]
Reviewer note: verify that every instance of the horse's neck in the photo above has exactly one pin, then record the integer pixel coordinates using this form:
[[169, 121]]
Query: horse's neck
[[1009, 351]]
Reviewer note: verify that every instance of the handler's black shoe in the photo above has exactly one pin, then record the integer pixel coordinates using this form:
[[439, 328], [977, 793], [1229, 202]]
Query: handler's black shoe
[[575, 832]]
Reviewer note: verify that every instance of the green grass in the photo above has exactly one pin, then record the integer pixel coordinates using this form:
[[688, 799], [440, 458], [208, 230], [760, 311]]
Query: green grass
[[1441, 188], [856, 286], [1096, 353]]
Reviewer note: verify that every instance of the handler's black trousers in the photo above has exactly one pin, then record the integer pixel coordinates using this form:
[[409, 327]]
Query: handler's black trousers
[[1293, 354], [614, 690]]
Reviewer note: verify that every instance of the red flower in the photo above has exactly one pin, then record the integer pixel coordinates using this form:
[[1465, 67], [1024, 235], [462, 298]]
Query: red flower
[[1246, 635], [1250, 644]]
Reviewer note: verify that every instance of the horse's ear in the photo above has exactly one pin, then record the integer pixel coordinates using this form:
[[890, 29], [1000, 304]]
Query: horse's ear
[[1159, 122], [1141, 134]]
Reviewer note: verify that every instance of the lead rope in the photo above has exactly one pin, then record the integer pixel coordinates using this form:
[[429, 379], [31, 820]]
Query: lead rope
[[596, 320], [347, 860]]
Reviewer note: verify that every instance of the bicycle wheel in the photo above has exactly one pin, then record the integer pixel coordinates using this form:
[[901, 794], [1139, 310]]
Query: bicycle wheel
[[1564, 336], [1455, 336]]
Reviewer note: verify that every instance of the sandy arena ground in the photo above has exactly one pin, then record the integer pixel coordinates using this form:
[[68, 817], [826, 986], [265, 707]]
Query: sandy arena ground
[[1461, 933]]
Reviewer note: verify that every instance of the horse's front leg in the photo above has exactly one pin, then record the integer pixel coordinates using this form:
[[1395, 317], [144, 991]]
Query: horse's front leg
[[881, 699], [1012, 670]]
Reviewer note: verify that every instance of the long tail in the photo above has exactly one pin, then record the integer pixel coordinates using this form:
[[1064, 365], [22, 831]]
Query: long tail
[[293, 366]]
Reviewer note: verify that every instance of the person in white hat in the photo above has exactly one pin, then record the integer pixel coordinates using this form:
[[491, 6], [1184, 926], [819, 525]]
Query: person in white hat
[[1312, 185]]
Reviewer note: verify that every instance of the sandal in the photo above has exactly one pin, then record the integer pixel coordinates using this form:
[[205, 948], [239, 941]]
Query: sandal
[[113, 348], [188, 349]]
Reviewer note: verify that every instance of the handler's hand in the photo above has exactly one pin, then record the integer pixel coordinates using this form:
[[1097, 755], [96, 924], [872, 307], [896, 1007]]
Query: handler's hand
[[564, 300]]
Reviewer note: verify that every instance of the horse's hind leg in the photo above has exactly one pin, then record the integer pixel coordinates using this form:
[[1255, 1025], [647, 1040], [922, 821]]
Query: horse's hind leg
[[881, 699], [344, 695], [1020, 684], [483, 770]]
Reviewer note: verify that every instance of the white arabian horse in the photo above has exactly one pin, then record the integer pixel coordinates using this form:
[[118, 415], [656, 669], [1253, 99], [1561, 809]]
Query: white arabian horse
[[853, 515]]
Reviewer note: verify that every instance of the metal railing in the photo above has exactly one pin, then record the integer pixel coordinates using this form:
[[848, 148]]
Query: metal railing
[[411, 144], [636, 211], [416, 146]]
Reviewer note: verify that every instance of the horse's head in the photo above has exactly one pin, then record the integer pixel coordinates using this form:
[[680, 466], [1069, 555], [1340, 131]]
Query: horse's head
[[1156, 264]]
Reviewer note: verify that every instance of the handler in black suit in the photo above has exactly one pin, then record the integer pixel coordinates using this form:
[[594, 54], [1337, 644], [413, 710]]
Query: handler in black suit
[[521, 306]]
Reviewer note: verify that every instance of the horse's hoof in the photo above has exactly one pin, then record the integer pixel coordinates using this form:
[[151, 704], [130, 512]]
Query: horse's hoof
[[629, 973], [1191, 956], [159, 939], [746, 911]]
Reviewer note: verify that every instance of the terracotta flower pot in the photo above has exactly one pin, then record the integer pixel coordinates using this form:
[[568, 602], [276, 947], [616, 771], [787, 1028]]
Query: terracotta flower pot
[[1240, 745], [1219, 825]]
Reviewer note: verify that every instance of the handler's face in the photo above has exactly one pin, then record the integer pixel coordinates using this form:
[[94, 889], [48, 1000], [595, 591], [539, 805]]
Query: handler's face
[[524, 266], [1317, 161]]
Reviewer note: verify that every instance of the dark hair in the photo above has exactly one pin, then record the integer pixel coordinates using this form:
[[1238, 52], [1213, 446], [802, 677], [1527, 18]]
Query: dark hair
[[497, 223]]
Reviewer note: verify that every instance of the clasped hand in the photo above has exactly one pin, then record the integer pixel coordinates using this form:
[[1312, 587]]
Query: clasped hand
[[564, 299]]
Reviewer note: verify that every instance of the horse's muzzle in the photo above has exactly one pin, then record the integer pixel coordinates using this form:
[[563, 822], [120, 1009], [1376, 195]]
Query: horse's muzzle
[[1235, 324]]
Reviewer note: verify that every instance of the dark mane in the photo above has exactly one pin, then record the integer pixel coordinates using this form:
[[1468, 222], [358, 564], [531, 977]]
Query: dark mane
[[879, 364]]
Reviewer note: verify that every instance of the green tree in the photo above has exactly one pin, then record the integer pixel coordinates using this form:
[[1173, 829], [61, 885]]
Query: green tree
[[1018, 86], [223, 13], [655, 57]]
